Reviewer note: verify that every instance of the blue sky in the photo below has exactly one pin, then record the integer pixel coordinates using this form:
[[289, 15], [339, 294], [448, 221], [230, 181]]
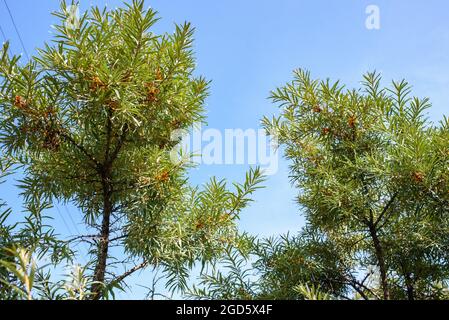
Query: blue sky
[[248, 48]]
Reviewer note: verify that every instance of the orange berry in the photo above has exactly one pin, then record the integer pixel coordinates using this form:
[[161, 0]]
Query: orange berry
[[418, 176], [159, 75], [351, 121], [163, 177], [20, 102], [152, 92]]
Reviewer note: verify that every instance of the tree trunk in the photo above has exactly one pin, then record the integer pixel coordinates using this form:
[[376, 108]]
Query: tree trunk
[[410, 287], [381, 261], [103, 245]]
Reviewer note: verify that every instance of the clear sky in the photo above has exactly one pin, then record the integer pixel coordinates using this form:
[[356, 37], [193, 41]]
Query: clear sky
[[248, 48]]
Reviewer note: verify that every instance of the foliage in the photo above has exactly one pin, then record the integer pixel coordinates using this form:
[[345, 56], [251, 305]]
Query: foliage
[[33, 281], [17, 270], [282, 268], [373, 178], [236, 283], [311, 293], [24, 270]]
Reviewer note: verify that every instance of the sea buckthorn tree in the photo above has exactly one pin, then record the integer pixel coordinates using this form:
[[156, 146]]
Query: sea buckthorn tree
[[90, 120]]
